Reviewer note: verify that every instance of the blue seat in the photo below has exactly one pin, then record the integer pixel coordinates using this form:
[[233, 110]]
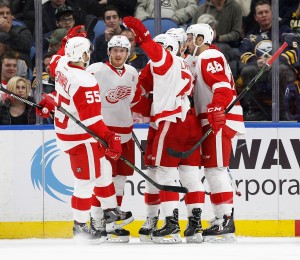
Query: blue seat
[[166, 24], [99, 29], [18, 22]]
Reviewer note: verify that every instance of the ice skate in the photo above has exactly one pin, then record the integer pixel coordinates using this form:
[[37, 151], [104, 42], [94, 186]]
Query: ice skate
[[98, 225], [221, 230], [193, 232], [147, 229], [82, 234], [115, 219], [169, 233], [118, 236]]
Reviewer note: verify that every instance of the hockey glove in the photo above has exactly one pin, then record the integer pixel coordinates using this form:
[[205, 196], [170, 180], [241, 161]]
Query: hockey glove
[[45, 110], [142, 34], [216, 117], [77, 31], [114, 149]]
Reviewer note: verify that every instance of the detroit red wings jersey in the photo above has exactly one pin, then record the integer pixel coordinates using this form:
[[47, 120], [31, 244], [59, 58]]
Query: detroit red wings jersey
[[172, 84], [79, 93], [213, 73], [119, 92]]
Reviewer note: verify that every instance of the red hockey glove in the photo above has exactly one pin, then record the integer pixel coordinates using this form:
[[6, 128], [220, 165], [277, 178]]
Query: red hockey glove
[[77, 31], [114, 149], [142, 34], [47, 107], [216, 117]]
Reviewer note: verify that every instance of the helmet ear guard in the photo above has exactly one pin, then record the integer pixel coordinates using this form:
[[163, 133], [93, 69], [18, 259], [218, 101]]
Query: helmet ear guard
[[167, 41]]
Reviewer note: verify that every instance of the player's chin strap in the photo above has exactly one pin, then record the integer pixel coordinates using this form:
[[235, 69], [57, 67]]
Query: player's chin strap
[[196, 47], [104, 143]]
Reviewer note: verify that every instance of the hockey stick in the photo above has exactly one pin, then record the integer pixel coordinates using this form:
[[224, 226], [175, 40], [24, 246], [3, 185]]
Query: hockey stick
[[24, 100], [237, 191], [186, 154], [136, 140], [100, 140]]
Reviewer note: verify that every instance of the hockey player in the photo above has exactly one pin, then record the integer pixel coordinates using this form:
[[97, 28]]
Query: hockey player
[[79, 93], [214, 91], [119, 94], [180, 35], [172, 126]]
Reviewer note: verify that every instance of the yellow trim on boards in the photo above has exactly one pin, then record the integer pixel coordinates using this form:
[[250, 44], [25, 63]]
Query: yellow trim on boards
[[63, 229]]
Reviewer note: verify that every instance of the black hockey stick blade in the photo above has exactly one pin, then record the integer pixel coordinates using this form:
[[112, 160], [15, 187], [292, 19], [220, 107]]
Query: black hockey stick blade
[[186, 154], [104, 143]]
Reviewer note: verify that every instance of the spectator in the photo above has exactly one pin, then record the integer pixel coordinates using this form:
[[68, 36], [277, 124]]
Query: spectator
[[256, 49], [22, 69], [23, 10], [18, 38], [14, 111], [228, 14], [112, 20], [9, 67], [179, 11], [137, 57], [64, 16], [55, 39], [294, 19], [126, 7]]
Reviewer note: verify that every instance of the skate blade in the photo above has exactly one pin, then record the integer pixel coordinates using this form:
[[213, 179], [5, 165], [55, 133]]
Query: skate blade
[[224, 238], [197, 238], [118, 224], [170, 239], [146, 238], [86, 241], [111, 238]]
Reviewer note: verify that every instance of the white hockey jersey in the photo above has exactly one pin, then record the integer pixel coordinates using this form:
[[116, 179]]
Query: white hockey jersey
[[212, 73], [172, 84], [78, 92], [118, 94]]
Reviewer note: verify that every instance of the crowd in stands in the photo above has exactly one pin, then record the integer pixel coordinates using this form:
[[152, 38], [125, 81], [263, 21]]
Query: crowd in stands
[[243, 32]]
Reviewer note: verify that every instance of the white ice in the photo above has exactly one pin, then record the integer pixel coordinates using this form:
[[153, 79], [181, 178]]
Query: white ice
[[245, 248]]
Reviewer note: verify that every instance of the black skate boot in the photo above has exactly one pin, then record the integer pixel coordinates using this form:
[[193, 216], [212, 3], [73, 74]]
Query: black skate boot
[[111, 217], [193, 232], [98, 225], [147, 229], [118, 236], [169, 233], [221, 230], [83, 234]]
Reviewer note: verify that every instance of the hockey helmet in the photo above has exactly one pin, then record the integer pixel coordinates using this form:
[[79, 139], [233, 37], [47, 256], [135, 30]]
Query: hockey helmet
[[76, 47], [178, 33], [201, 29], [167, 41], [119, 41]]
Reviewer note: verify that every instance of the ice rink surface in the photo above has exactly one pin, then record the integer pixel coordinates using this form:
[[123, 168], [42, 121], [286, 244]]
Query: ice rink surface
[[245, 248]]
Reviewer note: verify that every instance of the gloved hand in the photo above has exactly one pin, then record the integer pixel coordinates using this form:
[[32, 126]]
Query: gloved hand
[[216, 117], [142, 34], [45, 110], [77, 31], [114, 149]]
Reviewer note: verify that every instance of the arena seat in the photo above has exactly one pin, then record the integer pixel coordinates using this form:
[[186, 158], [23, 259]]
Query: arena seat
[[166, 24]]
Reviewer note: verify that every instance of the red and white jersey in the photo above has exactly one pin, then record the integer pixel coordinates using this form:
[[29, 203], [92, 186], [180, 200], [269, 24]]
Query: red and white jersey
[[172, 83], [119, 92], [191, 61], [213, 73], [78, 92]]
